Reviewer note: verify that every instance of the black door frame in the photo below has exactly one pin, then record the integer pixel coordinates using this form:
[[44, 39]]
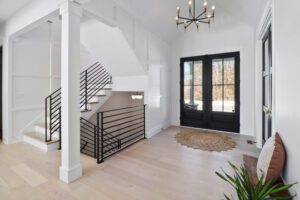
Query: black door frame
[[1, 85], [207, 115]]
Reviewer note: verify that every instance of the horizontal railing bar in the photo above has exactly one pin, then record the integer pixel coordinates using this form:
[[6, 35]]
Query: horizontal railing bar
[[128, 136], [53, 106], [53, 93], [93, 77], [85, 81], [54, 117], [123, 118], [123, 123], [121, 109], [96, 63], [57, 95], [90, 75], [120, 134], [92, 71], [104, 157], [92, 83], [86, 138], [55, 121], [90, 88], [124, 127], [92, 128], [87, 133], [122, 113]]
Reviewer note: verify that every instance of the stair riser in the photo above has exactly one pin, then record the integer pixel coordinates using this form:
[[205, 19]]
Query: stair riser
[[43, 146], [41, 130]]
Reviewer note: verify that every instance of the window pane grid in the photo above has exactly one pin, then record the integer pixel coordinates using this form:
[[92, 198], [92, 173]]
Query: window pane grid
[[193, 89], [223, 87]]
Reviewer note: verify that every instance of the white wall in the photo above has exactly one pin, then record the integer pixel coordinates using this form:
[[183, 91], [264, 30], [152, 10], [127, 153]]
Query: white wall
[[31, 79], [153, 55], [287, 96], [223, 36]]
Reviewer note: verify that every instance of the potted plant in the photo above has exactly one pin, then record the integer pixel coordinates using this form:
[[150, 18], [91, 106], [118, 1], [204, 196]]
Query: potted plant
[[245, 190]]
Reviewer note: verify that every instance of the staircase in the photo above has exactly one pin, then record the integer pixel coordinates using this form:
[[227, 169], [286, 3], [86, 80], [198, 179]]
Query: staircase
[[95, 88], [115, 129]]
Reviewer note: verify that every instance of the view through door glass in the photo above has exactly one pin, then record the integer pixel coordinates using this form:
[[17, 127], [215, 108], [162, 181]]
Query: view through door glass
[[193, 96], [210, 92]]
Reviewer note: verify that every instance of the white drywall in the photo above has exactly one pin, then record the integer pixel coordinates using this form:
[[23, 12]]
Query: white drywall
[[31, 81], [109, 46], [286, 78], [225, 35]]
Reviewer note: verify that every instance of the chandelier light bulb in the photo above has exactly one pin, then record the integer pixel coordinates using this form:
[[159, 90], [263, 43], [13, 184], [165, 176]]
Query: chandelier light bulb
[[213, 7], [178, 8], [205, 3], [190, 3]]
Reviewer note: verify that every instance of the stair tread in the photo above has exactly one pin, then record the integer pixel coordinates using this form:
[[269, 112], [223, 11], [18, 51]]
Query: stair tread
[[40, 137], [86, 110]]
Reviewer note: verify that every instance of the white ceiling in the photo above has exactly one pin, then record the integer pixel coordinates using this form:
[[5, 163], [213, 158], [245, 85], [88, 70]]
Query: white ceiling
[[159, 15], [9, 7]]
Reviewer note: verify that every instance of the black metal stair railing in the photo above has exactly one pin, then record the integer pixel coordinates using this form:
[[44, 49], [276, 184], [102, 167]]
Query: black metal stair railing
[[92, 81], [89, 138], [119, 129]]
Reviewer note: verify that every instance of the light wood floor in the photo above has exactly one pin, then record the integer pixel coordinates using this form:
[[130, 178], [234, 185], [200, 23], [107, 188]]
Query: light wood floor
[[155, 169]]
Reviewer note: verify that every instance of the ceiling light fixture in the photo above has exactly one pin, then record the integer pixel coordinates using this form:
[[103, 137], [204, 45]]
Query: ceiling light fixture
[[137, 96], [205, 16]]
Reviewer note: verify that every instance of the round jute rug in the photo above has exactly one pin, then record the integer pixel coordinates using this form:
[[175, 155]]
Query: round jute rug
[[206, 141]]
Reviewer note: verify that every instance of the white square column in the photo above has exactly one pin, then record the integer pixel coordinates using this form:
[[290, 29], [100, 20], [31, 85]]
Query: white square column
[[70, 168]]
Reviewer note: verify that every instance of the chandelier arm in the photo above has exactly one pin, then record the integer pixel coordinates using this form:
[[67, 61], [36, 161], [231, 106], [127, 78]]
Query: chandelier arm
[[201, 14], [189, 24], [185, 18], [204, 22], [179, 23], [203, 18]]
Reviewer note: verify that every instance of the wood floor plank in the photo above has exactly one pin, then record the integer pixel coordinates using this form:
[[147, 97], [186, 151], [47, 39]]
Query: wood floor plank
[[29, 175]]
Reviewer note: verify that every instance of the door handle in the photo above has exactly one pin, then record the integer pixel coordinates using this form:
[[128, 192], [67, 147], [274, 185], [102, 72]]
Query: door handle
[[267, 111]]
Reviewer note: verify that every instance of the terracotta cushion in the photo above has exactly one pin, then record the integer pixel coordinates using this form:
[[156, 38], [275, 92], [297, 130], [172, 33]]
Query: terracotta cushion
[[271, 159]]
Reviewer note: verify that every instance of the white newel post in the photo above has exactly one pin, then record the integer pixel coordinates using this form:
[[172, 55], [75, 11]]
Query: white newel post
[[70, 168]]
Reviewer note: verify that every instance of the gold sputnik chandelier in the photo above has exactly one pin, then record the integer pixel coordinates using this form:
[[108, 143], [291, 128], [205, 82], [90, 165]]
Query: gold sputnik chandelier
[[206, 16]]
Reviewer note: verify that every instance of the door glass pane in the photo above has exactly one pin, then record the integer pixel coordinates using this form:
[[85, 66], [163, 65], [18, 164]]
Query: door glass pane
[[193, 98], [198, 73], [217, 103], [188, 72], [267, 55], [266, 91], [217, 75], [229, 71], [229, 103]]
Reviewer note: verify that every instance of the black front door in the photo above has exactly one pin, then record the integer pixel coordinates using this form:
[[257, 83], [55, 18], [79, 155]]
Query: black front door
[[210, 92], [267, 86]]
